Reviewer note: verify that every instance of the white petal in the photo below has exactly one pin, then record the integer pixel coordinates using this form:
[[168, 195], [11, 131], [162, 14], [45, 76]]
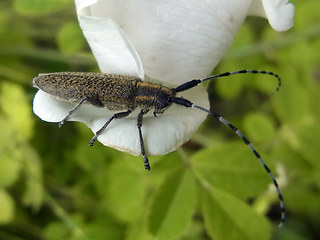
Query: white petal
[[162, 134], [109, 44], [48, 108], [176, 40], [279, 13]]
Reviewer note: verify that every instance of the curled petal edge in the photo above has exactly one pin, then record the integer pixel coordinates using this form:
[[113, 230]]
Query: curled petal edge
[[280, 13], [108, 42]]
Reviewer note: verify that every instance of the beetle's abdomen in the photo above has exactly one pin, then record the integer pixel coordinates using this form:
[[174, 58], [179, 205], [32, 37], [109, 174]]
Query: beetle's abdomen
[[99, 87]]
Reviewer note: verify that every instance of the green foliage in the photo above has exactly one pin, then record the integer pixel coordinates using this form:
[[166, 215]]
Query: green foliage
[[6, 207], [53, 186], [173, 205], [70, 38], [19, 106], [10, 170], [124, 196], [259, 127], [223, 171], [39, 7], [219, 210]]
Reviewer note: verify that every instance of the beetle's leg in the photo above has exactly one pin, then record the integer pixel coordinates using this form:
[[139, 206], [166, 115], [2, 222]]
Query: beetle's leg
[[143, 152], [116, 115], [72, 111]]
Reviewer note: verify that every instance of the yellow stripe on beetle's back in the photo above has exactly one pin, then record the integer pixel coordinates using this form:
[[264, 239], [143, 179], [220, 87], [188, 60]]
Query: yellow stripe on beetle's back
[[148, 85]]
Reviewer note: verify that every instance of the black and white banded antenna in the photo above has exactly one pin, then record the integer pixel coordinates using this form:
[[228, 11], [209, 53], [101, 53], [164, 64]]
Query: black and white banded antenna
[[195, 82], [187, 103]]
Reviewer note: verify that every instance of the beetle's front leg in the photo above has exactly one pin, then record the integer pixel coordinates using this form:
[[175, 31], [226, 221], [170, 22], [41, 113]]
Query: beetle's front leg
[[143, 152]]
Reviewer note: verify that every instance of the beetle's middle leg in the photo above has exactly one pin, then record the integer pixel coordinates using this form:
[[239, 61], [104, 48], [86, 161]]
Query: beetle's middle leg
[[143, 152], [116, 115]]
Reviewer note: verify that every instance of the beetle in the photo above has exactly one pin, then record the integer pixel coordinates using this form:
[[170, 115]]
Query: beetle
[[124, 93]]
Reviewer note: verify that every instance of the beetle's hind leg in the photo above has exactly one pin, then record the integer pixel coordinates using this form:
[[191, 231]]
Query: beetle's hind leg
[[143, 152], [72, 111], [116, 115], [94, 102]]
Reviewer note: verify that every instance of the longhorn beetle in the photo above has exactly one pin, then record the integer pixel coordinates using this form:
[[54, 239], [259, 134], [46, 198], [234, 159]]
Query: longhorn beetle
[[125, 93]]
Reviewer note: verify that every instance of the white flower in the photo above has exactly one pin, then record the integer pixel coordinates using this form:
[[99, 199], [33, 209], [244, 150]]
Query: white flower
[[171, 41]]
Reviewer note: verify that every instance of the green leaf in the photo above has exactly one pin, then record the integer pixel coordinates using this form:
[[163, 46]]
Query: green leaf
[[259, 127], [308, 197], [10, 168], [6, 207], [98, 231], [125, 191], [228, 218], [16, 106], [18, 156], [173, 206], [56, 231], [138, 231], [39, 7], [315, 100], [308, 137], [292, 103], [33, 195], [195, 230], [307, 15], [70, 38], [301, 150], [229, 87], [294, 161], [232, 167]]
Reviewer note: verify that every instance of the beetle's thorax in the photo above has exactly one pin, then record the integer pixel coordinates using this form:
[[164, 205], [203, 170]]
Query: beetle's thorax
[[153, 96]]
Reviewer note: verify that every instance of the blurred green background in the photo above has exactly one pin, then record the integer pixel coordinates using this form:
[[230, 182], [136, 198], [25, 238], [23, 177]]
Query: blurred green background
[[54, 186]]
